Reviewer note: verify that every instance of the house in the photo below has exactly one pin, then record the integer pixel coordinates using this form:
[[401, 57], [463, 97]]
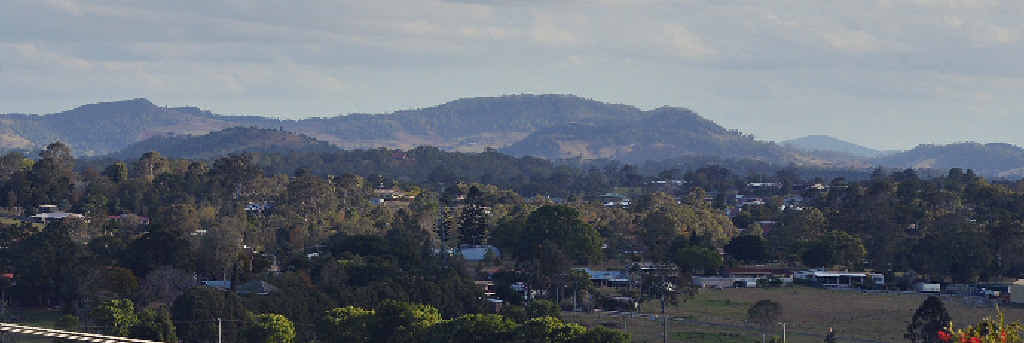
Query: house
[[714, 281], [217, 284], [614, 200], [477, 252], [607, 278], [488, 288], [835, 279], [748, 200], [50, 213], [927, 287], [1017, 292], [764, 185], [257, 208]]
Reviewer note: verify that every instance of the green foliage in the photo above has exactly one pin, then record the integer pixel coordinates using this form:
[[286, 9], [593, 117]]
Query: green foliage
[[472, 328], [930, 318], [549, 329], [402, 322], [270, 328], [117, 317], [155, 324], [347, 324], [764, 313], [542, 308], [201, 307], [560, 225], [747, 249], [835, 248]]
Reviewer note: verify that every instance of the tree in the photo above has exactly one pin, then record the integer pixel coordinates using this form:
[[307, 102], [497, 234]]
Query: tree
[[695, 258], [472, 328], [401, 322], [117, 317], [221, 246], [542, 308], [930, 318], [600, 334], [164, 285], [835, 248], [155, 249], [764, 313], [155, 324], [659, 231], [473, 228], [747, 249], [52, 176], [202, 306], [549, 329], [270, 328], [560, 225], [346, 324]]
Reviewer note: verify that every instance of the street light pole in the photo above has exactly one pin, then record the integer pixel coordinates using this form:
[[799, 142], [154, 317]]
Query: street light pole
[[783, 331]]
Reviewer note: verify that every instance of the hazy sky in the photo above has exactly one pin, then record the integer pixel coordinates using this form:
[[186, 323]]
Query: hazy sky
[[886, 74]]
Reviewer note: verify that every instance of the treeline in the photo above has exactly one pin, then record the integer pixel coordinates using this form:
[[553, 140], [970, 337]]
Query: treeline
[[956, 228]]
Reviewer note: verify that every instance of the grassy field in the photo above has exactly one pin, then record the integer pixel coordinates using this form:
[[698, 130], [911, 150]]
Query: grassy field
[[811, 311], [9, 221]]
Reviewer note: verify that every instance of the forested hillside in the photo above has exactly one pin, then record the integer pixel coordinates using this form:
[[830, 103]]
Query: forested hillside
[[650, 135], [828, 143], [225, 142], [995, 159]]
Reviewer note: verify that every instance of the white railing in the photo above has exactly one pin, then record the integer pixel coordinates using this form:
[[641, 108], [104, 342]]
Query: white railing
[[70, 335]]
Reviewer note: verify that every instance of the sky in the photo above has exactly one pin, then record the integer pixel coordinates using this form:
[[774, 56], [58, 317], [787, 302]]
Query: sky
[[887, 74]]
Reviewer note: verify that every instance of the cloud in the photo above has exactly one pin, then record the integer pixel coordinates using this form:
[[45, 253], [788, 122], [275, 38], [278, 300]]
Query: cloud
[[804, 64], [855, 41], [685, 43]]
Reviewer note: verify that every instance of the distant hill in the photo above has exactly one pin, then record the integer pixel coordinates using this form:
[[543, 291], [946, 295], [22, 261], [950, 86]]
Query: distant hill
[[825, 143], [224, 142], [550, 126], [647, 135], [994, 159], [104, 127]]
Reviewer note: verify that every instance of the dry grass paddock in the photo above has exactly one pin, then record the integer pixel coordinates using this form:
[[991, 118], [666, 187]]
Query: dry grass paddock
[[853, 314]]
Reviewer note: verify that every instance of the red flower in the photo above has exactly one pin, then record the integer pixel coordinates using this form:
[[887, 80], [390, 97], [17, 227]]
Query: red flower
[[944, 336], [963, 339], [1002, 336], [975, 340]]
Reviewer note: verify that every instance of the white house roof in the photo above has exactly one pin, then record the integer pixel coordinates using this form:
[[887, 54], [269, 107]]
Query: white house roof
[[57, 215], [835, 274]]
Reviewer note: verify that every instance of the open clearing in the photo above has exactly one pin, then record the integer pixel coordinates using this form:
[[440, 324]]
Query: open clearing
[[808, 312]]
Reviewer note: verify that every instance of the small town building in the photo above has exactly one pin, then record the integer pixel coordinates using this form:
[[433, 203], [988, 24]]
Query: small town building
[[835, 279], [50, 213], [478, 252], [1017, 292], [607, 278]]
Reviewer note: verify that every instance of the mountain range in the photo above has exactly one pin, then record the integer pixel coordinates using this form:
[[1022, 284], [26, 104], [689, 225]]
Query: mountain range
[[547, 126]]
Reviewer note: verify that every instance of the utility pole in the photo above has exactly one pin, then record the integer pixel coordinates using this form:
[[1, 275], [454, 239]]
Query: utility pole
[[218, 330], [664, 317], [783, 331]]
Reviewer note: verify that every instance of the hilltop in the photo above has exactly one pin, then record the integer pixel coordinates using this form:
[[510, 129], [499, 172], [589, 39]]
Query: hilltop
[[825, 143], [994, 159], [224, 142]]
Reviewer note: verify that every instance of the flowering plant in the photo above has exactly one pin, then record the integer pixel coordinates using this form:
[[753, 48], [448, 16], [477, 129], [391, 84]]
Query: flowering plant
[[987, 331]]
